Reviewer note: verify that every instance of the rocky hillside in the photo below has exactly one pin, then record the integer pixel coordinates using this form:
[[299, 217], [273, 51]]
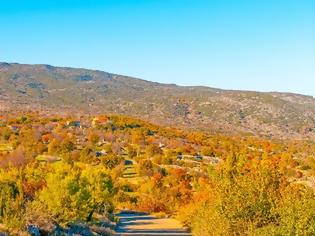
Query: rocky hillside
[[63, 90]]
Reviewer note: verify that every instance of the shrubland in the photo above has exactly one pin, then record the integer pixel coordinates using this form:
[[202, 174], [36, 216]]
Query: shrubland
[[56, 171]]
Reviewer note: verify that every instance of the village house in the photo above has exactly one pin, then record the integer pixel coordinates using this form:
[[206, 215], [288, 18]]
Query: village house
[[100, 120], [211, 160], [46, 138], [100, 153], [179, 156], [74, 123], [14, 128], [162, 146], [198, 157]]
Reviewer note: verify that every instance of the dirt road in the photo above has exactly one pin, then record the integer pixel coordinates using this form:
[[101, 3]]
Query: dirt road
[[136, 223]]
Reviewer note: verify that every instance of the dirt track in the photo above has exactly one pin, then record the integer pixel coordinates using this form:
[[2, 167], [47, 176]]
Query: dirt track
[[136, 223]]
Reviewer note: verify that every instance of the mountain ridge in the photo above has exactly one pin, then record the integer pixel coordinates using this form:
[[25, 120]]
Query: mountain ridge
[[64, 89]]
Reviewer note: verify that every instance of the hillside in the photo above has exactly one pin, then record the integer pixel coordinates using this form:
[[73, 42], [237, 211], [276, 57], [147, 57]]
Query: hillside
[[80, 91], [117, 175]]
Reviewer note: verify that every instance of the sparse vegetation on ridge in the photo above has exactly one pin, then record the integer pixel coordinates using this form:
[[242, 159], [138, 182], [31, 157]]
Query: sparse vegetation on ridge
[[53, 90]]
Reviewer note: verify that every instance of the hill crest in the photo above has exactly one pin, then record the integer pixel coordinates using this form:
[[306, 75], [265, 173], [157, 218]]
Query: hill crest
[[75, 90]]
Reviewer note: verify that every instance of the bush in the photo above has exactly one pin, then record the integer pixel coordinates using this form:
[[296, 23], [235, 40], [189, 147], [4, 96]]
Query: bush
[[76, 193], [254, 199], [11, 200]]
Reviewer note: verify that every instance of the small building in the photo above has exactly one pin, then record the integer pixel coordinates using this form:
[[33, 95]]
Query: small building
[[14, 128], [198, 157], [100, 153], [74, 123], [161, 145], [46, 138], [212, 159], [100, 120], [179, 156]]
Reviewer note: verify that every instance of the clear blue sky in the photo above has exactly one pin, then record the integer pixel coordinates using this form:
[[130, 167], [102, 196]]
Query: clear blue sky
[[262, 45]]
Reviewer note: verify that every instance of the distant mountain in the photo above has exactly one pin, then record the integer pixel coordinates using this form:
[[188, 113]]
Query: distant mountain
[[64, 90]]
